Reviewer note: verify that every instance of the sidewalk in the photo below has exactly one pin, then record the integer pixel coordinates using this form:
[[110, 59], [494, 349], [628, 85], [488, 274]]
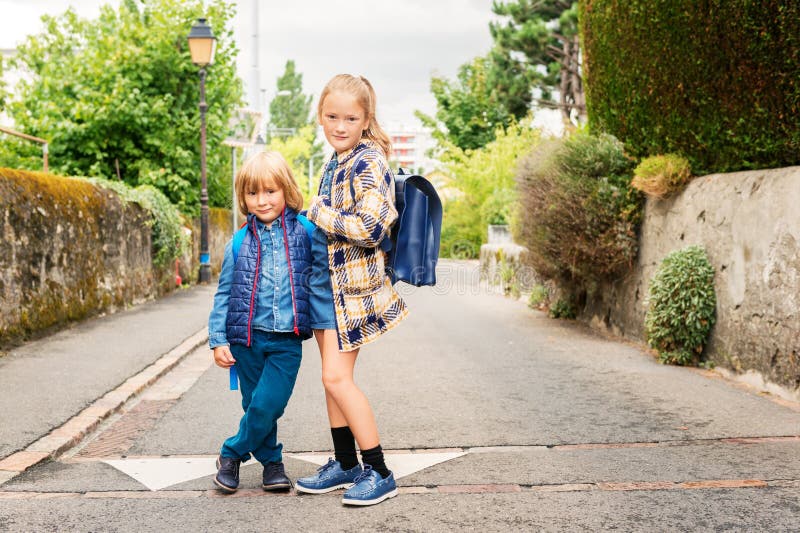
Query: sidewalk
[[46, 382]]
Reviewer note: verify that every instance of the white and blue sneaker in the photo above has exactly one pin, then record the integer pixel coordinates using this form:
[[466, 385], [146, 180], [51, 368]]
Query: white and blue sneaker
[[369, 488], [329, 477]]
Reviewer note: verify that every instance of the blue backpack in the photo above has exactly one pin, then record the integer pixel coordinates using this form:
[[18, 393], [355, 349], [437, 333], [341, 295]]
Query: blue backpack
[[413, 244]]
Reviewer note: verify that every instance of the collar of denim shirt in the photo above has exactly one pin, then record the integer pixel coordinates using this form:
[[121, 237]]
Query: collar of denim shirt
[[276, 224]]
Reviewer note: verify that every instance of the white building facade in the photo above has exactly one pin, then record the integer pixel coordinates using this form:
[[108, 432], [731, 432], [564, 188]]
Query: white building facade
[[410, 148]]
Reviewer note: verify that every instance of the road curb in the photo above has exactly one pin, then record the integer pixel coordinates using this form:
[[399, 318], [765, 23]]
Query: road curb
[[76, 428]]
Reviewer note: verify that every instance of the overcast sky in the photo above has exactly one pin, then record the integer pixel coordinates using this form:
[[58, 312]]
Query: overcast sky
[[397, 44]]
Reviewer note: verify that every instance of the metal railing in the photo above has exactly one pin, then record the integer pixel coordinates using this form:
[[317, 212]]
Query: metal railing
[[27, 137]]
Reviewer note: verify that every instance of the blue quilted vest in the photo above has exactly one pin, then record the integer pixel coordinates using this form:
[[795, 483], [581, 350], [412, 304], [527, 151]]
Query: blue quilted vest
[[247, 271]]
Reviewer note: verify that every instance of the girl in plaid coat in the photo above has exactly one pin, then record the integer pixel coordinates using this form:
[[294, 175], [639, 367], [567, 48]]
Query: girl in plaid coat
[[354, 211]]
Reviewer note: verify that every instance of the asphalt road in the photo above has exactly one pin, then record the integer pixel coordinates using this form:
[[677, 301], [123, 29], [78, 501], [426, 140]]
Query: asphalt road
[[556, 428]]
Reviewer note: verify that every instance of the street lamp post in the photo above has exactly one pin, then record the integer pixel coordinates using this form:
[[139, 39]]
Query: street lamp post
[[202, 44]]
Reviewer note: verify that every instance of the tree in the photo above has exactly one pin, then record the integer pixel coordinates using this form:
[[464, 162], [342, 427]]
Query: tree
[[292, 129], [545, 33], [117, 97], [469, 110], [292, 109], [3, 93], [296, 149], [481, 189], [510, 80]]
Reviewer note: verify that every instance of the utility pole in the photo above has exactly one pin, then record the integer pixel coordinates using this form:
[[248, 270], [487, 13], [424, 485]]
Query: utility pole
[[255, 76]]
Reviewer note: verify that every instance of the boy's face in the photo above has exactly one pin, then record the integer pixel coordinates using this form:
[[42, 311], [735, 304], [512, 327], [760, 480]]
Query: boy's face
[[266, 203], [342, 120]]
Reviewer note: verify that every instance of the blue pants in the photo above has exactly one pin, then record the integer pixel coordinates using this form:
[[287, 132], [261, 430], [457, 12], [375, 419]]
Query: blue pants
[[267, 373]]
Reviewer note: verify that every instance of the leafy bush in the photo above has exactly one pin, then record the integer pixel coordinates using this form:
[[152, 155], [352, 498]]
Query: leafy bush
[[579, 216], [508, 277], [563, 309], [682, 305], [715, 81], [498, 207], [169, 241], [538, 296], [478, 183], [662, 175]]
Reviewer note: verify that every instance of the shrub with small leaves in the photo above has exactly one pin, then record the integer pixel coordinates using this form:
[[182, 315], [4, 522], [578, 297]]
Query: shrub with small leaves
[[168, 238], [538, 296], [682, 305], [579, 216], [563, 309], [496, 209], [662, 175]]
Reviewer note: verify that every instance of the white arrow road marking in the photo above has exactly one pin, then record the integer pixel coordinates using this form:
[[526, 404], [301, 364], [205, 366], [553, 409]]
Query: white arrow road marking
[[401, 464], [160, 472]]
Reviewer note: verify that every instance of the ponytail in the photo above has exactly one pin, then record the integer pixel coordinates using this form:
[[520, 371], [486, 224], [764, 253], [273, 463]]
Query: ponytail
[[374, 130]]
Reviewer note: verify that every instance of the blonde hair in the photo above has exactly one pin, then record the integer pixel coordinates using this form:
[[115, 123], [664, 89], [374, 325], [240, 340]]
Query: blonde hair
[[362, 90], [267, 169]]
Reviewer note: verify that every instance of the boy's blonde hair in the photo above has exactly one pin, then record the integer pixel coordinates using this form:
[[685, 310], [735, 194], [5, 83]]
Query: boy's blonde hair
[[267, 169], [362, 90]]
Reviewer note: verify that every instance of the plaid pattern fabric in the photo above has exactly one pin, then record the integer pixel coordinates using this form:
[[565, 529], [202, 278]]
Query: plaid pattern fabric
[[366, 303]]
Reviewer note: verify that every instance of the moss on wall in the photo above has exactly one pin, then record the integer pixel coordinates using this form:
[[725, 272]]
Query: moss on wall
[[69, 250], [220, 230]]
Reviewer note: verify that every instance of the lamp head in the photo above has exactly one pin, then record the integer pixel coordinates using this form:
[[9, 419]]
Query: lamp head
[[202, 43]]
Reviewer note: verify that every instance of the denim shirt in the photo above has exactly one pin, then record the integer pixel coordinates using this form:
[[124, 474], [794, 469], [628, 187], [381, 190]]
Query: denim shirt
[[327, 177], [274, 311]]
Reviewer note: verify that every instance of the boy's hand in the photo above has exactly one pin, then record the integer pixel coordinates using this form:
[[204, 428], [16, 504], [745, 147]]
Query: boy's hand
[[223, 357]]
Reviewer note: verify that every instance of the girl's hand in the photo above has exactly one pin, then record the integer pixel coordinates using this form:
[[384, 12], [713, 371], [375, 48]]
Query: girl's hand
[[315, 200], [223, 357]]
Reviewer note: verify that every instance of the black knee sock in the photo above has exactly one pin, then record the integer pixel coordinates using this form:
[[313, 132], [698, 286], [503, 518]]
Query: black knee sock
[[344, 447], [374, 458]]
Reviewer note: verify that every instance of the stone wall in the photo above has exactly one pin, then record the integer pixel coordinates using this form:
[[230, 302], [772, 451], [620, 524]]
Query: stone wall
[[749, 223], [220, 232], [69, 250]]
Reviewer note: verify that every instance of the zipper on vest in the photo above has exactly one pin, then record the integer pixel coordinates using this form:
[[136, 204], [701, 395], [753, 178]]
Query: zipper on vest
[[255, 283], [289, 263]]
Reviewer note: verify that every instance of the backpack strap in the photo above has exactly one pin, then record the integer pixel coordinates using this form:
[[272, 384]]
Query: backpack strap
[[307, 224], [238, 239]]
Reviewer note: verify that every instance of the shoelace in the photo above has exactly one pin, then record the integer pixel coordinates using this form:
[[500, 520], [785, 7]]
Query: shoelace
[[363, 475], [326, 466], [231, 467], [274, 468]]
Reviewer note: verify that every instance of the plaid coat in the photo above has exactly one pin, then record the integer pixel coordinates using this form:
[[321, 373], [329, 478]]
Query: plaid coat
[[366, 304]]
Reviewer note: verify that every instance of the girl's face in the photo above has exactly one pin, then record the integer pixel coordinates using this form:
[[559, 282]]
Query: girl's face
[[343, 120], [266, 203]]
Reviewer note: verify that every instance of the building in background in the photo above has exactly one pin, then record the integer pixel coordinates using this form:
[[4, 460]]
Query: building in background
[[410, 147]]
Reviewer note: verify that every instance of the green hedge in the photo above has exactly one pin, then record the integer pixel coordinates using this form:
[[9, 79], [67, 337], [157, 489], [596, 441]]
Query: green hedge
[[716, 81]]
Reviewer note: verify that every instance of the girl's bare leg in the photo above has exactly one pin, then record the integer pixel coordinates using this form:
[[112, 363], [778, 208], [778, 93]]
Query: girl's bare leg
[[347, 405]]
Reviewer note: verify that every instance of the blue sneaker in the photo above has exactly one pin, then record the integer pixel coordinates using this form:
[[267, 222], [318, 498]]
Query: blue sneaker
[[329, 477], [369, 488]]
